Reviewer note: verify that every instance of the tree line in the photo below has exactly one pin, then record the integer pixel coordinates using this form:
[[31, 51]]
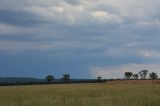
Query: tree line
[[127, 75], [65, 78], [50, 79], [141, 75]]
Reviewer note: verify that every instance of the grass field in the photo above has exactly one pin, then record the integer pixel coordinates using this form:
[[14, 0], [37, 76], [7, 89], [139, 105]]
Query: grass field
[[81, 95]]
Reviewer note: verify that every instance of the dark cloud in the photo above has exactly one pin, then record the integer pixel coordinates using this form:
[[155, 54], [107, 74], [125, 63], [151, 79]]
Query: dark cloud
[[73, 2], [78, 35], [21, 18]]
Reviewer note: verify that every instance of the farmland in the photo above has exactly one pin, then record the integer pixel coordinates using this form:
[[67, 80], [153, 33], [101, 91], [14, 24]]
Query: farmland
[[105, 94]]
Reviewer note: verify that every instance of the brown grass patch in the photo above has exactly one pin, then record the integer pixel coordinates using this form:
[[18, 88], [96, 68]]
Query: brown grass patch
[[133, 82]]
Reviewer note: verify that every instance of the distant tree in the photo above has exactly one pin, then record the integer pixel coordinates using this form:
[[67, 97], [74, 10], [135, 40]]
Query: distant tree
[[153, 76], [99, 78], [143, 74], [135, 76], [128, 75], [66, 77], [50, 78]]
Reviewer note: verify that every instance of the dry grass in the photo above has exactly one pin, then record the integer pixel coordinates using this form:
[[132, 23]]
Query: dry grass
[[133, 82], [81, 95]]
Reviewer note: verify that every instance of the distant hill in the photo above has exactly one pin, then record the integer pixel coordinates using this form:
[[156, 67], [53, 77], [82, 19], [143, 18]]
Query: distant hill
[[25, 79], [7, 81], [19, 79]]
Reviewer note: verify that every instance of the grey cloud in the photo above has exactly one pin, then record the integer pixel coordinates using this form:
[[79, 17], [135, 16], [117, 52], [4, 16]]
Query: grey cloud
[[73, 2], [19, 18], [115, 28]]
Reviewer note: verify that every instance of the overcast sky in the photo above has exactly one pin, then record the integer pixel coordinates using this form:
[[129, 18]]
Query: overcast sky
[[83, 38]]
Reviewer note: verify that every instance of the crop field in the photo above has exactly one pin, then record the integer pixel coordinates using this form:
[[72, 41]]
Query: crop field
[[81, 95]]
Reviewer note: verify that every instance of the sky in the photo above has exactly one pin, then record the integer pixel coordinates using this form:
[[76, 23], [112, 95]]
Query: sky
[[83, 38]]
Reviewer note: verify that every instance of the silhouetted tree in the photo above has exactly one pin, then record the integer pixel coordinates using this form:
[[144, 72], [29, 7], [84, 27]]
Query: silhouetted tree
[[128, 75], [66, 77], [99, 78], [153, 76], [50, 78], [135, 76], [143, 74]]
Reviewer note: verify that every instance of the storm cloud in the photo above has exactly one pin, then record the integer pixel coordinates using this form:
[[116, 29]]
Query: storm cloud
[[79, 35]]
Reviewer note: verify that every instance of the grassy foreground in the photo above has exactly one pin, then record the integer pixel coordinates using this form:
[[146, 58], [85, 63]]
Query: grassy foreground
[[81, 95]]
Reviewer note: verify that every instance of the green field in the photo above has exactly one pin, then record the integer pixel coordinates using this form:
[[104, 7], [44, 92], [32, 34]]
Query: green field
[[81, 95]]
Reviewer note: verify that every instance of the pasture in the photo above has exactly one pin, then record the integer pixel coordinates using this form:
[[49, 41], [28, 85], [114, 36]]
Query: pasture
[[81, 95]]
